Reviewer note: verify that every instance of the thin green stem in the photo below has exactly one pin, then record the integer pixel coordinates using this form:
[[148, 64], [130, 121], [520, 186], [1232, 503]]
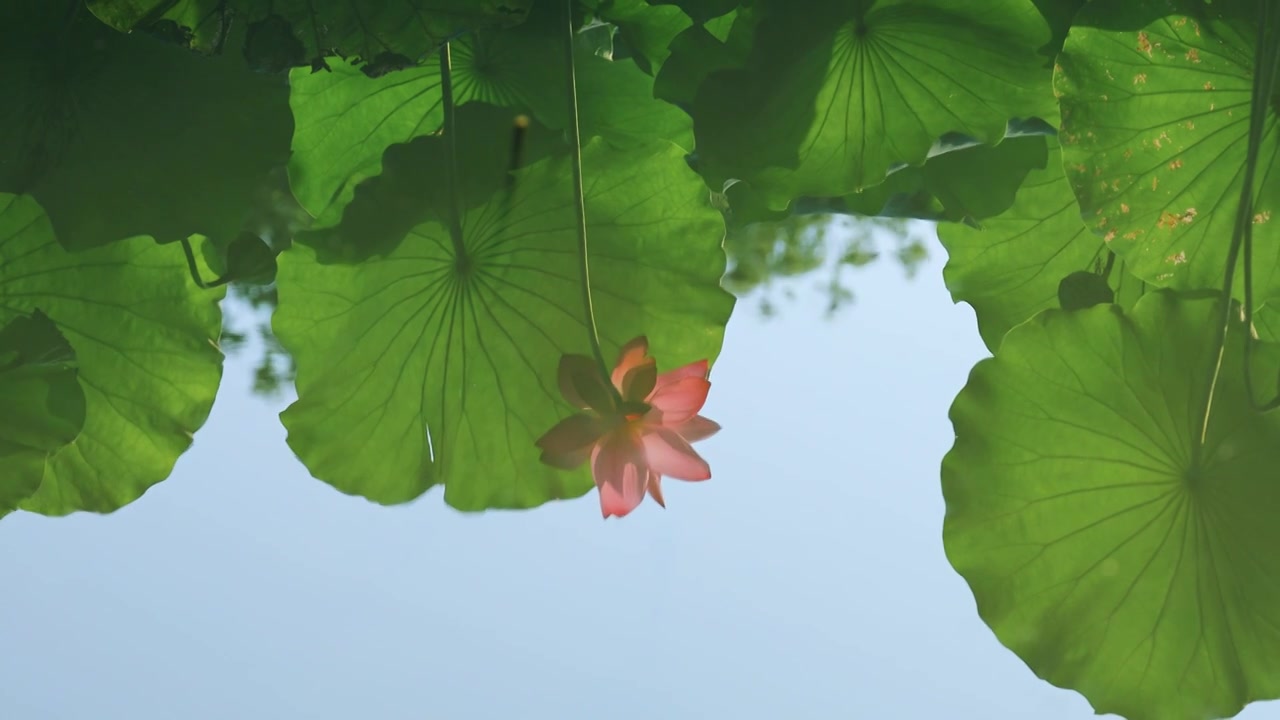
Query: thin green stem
[[1267, 54], [579, 197], [1268, 70], [451, 144]]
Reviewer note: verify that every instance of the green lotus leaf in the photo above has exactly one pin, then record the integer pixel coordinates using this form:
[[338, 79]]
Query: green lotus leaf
[[197, 24], [1267, 324], [250, 260], [43, 403], [693, 55], [830, 99], [1108, 548], [647, 29], [702, 10], [700, 50], [366, 29], [144, 337], [1155, 117], [412, 189], [346, 120], [421, 368], [965, 185], [1084, 289], [121, 135], [1059, 14], [1012, 265]]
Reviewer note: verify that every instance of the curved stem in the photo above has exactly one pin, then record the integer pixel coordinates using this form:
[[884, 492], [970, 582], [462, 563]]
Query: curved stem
[[451, 148], [1267, 54], [1268, 69], [195, 270], [580, 202]]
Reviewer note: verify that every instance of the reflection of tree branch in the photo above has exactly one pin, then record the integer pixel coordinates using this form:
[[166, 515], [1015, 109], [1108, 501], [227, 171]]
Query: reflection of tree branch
[[768, 253]]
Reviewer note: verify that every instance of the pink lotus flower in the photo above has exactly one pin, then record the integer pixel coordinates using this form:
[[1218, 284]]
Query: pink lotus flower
[[635, 435]]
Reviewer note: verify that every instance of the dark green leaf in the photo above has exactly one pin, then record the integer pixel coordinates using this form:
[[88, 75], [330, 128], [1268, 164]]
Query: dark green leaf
[[119, 135], [1059, 14], [322, 27], [1084, 289], [43, 405], [702, 10], [966, 185], [250, 260], [831, 98], [693, 55], [197, 24], [647, 29], [346, 120], [414, 184]]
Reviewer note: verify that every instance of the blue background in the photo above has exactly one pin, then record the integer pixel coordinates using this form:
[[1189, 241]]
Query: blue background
[[805, 580]]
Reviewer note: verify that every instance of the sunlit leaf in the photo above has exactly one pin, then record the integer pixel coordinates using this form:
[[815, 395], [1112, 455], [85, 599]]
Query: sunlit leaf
[[417, 369], [1104, 545], [1155, 121], [144, 337], [1059, 14], [346, 121], [693, 55], [121, 135], [43, 405], [1011, 267], [833, 97]]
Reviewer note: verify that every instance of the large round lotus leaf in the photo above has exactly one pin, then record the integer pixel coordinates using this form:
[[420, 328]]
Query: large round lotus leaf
[[832, 97], [347, 120], [417, 369], [1011, 267], [366, 29], [1155, 117], [42, 400], [121, 135], [1108, 548], [144, 336]]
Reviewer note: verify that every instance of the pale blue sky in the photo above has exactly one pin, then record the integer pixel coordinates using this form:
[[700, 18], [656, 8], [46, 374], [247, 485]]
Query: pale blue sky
[[805, 580]]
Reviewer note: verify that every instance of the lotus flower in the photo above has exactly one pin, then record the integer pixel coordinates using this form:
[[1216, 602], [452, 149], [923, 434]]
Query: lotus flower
[[636, 435]]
